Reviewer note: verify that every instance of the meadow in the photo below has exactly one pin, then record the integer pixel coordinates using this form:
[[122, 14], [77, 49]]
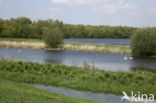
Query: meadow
[[84, 79], [11, 92]]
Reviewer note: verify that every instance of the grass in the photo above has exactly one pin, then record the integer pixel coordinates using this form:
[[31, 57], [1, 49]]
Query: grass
[[97, 48], [39, 44], [20, 40], [78, 78], [11, 92], [30, 45]]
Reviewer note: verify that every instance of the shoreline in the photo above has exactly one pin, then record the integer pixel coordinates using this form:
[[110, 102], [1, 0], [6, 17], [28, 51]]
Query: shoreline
[[38, 44], [12, 92]]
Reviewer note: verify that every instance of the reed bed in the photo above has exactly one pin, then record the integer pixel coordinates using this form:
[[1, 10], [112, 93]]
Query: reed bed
[[97, 48], [14, 44], [69, 46]]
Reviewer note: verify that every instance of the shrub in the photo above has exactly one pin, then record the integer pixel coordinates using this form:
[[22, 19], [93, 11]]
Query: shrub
[[144, 42], [53, 37]]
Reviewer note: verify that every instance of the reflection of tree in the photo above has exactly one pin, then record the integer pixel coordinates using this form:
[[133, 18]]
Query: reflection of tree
[[143, 69], [54, 57], [143, 64]]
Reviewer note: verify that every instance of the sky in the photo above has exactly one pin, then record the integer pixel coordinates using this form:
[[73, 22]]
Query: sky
[[136, 13]]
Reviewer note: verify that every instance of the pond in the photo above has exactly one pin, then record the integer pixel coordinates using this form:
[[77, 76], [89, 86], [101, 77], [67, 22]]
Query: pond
[[123, 42], [111, 62]]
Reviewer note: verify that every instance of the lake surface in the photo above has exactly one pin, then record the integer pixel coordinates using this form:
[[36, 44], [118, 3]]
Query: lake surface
[[111, 62], [123, 42]]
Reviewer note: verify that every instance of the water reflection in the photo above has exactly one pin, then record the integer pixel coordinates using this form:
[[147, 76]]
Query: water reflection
[[113, 62], [123, 42]]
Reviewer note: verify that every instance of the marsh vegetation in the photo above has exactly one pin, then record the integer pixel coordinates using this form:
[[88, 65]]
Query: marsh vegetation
[[39, 44]]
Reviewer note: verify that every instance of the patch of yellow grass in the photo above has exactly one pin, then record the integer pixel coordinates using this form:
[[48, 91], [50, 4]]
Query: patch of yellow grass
[[68, 46], [97, 48], [13, 44]]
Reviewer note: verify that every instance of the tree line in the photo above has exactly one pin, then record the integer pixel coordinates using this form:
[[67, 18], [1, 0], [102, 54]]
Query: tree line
[[24, 27], [53, 32]]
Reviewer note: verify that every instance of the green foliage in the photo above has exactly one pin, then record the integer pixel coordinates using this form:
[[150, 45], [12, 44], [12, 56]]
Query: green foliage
[[87, 31], [20, 40], [144, 42], [53, 36], [81, 79], [1, 25], [20, 27], [23, 27]]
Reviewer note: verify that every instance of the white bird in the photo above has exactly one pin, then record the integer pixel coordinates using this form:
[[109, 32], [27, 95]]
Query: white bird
[[19, 50], [130, 58], [125, 58]]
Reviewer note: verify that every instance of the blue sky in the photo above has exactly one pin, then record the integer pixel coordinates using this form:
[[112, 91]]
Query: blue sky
[[140, 13]]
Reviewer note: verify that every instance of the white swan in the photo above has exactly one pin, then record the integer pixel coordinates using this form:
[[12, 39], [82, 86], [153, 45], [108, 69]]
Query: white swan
[[125, 58], [19, 50], [130, 58]]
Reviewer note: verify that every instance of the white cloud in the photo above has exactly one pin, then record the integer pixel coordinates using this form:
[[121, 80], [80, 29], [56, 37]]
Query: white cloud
[[60, 1], [121, 2], [106, 8], [51, 10], [71, 2], [129, 6], [114, 8], [145, 10]]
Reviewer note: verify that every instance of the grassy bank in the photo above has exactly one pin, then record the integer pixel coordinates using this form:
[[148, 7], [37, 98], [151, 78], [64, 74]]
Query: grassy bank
[[39, 44], [97, 48], [80, 79], [21, 40], [11, 92]]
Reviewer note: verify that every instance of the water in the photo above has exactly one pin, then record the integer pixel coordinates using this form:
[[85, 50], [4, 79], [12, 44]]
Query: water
[[111, 62], [123, 42], [101, 97]]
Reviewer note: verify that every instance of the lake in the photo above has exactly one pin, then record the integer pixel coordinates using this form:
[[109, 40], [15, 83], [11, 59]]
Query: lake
[[111, 62], [123, 42]]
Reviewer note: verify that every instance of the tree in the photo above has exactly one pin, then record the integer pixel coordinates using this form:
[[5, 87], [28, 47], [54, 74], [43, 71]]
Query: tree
[[23, 27], [1, 25], [53, 36], [144, 42]]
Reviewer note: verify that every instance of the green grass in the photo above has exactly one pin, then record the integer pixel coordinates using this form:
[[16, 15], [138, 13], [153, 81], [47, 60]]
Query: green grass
[[21, 40], [11, 92], [80, 79]]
